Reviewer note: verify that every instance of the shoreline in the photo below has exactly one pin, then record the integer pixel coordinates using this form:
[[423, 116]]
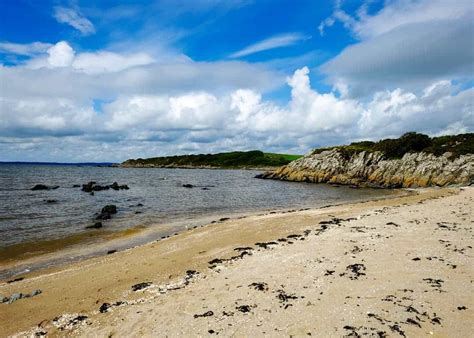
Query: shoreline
[[96, 243], [83, 286]]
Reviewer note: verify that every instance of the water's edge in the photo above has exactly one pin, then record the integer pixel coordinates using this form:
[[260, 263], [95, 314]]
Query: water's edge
[[143, 235]]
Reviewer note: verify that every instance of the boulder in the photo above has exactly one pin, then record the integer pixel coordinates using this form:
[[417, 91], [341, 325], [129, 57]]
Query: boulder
[[111, 209], [107, 212]]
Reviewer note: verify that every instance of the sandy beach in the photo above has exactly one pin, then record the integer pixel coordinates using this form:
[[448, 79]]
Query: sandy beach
[[394, 267]]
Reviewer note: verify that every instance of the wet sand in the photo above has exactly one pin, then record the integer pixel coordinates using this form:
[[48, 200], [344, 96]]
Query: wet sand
[[394, 267]]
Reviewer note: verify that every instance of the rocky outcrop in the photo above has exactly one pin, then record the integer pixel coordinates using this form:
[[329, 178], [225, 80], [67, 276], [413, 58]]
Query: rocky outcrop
[[373, 169]]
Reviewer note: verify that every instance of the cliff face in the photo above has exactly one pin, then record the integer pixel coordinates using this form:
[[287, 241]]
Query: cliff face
[[372, 169]]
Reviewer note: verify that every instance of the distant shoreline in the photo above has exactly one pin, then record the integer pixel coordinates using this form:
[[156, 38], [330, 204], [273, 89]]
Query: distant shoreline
[[92, 164]]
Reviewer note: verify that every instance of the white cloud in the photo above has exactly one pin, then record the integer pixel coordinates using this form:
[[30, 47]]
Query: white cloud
[[152, 108], [60, 55], [407, 44], [29, 49], [277, 41], [75, 19], [103, 62]]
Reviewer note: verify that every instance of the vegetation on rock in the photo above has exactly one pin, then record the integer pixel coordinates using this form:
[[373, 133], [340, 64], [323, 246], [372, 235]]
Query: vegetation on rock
[[411, 142]]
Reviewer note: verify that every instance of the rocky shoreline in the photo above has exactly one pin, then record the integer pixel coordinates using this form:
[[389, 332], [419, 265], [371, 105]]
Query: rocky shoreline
[[373, 169]]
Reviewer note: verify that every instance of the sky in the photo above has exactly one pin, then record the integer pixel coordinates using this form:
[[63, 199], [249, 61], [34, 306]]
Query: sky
[[85, 81]]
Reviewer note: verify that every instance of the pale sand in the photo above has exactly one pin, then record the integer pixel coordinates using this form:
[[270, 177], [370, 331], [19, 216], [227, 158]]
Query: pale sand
[[395, 294]]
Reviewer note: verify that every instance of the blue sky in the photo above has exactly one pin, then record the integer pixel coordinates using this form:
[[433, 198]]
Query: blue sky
[[110, 80]]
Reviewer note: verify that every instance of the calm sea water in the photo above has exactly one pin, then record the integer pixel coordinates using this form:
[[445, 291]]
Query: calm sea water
[[27, 217]]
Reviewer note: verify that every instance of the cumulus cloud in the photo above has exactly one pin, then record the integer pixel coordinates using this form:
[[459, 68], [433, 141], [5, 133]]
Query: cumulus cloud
[[407, 44], [133, 125], [277, 41], [74, 18]]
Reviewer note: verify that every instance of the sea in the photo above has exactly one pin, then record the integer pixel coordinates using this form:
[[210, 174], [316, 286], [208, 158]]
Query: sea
[[46, 227]]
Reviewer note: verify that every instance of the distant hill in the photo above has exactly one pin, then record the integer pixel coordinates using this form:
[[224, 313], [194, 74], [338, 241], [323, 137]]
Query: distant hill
[[235, 159]]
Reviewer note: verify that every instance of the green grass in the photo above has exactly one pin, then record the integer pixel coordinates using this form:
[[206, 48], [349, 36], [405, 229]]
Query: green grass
[[235, 159]]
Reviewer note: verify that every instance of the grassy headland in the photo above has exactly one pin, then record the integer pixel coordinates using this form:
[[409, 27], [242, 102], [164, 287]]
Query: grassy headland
[[235, 159], [411, 142]]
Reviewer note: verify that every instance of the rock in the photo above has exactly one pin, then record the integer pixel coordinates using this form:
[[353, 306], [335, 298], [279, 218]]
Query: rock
[[93, 186], [188, 186], [372, 169], [116, 186], [111, 209], [96, 225], [107, 212], [88, 187], [76, 185], [51, 201], [43, 187]]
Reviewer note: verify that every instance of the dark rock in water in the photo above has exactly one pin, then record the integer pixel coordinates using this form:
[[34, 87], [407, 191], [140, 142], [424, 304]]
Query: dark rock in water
[[107, 212], [76, 185], [88, 187], [111, 209], [205, 314], [259, 176], [96, 225], [93, 186], [40, 187], [223, 219], [205, 188], [140, 286], [462, 308], [188, 186], [111, 252], [51, 201], [116, 186], [139, 205]]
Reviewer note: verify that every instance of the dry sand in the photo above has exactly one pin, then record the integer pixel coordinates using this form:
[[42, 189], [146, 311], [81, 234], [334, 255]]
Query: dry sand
[[394, 267]]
